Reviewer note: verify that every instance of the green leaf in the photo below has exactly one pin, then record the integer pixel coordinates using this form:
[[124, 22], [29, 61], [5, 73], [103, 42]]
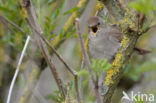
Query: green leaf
[[100, 65], [144, 6], [71, 10], [83, 72], [148, 66]]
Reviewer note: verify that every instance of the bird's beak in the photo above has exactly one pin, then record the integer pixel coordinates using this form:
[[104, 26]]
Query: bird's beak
[[94, 30]]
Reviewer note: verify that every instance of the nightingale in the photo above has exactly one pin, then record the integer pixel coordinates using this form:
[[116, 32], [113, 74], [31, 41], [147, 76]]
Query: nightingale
[[105, 40]]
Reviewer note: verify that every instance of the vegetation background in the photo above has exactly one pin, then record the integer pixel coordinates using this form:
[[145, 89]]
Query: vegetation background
[[35, 83]]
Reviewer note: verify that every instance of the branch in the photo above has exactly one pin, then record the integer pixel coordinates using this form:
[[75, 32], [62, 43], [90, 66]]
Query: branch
[[81, 80], [87, 62], [74, 73], [7, 26], [17, 70], [13, 24], [32, 20], [115, 8], [148, 28], [128, 42]]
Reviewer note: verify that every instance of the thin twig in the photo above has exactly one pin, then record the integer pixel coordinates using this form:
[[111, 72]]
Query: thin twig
[[13, 24], [139, 20], [55, 52], [81, 80], [44, 39], [6, 25], [52, 67], [85, 55], [87, 62], [76, 88], [32, 21], [39, 33], [74, 73], [120, 4], [17, 69], [148, 28]]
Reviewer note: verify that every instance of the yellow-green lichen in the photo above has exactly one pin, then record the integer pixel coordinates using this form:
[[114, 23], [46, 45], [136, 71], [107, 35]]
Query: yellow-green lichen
[[117, 63], [99, 6], [23, 11], [125, 41], [128, 22]]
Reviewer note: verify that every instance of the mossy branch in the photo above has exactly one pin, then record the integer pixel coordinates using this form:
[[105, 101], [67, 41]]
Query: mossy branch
[[127, 20]]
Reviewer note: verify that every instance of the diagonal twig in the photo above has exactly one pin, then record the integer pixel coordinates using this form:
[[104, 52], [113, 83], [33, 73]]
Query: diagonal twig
[[32, 21], [13, 24], [148, 28], [74, 73]]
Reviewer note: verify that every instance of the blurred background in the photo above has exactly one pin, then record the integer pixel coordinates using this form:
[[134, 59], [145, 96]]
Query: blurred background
[[35, 83]]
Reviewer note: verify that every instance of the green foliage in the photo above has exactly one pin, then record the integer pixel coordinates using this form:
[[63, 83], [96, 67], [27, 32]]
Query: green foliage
[[71, 10], [100, 65], [56, 97], [148, 66], [83, 72], [134, 71], [11, 10], [138, 100], [144, 6]]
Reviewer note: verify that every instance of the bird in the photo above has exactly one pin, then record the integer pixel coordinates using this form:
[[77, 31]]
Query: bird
[[105, 40]]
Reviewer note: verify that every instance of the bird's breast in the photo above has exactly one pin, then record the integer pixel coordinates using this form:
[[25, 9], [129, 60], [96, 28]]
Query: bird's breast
[[103, 47]]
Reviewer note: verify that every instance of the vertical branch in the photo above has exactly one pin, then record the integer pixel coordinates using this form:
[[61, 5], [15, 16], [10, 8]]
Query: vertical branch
[[81, 80], [17, 69], [76, 88], [87, 62]]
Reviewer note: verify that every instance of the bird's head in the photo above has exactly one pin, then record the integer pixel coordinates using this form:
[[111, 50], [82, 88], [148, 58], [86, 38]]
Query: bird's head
[[94, 23]]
